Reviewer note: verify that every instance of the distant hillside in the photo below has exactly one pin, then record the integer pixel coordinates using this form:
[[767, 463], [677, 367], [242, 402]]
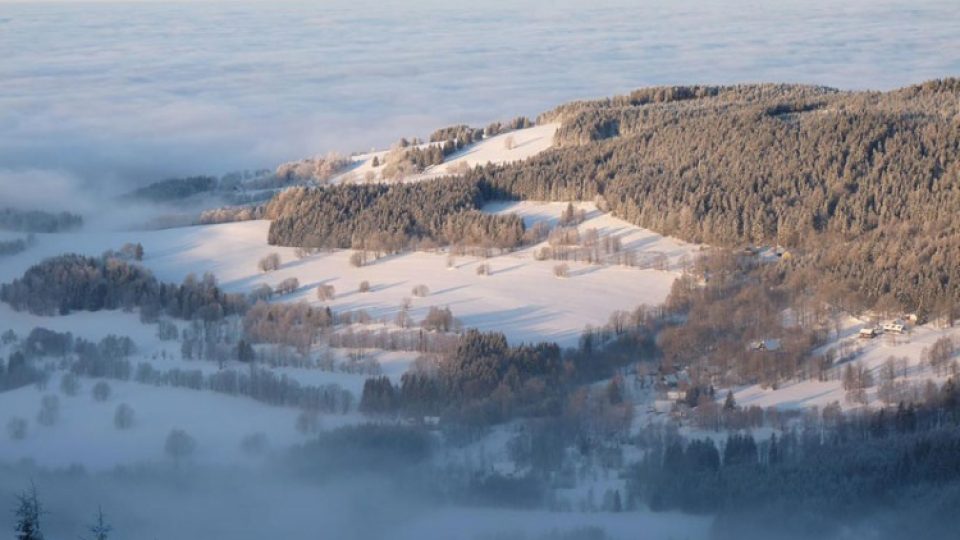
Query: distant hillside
[[862, 186], [38, 221]]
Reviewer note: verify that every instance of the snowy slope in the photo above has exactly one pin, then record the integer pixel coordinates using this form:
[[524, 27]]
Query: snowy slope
[[874, 353], [85, 432], [526, 143], [521, 296]]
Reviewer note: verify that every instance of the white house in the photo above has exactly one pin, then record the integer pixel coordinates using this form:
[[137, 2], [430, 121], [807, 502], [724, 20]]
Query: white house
[[895, 327], [868, 333]]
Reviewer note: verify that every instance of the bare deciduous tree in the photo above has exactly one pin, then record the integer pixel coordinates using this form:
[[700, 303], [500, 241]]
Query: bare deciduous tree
[[123, 417], [269, 263], [325, 292], [101, 391], [17, 428], [421, 291]]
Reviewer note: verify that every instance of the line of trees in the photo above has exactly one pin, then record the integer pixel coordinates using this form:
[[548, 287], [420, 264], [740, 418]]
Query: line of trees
[[37, 221], [388, 218], [886, 473], [71, 282], [861, 186]]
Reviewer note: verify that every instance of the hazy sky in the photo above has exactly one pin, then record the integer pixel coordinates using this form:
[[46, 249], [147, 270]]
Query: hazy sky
[[134, 92]]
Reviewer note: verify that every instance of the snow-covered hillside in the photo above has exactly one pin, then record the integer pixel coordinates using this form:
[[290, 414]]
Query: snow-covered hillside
[[506, 147], [905, 350], [521, 296]]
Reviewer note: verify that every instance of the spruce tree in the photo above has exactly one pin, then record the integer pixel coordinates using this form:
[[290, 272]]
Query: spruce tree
[[28, 516], [101, 529]]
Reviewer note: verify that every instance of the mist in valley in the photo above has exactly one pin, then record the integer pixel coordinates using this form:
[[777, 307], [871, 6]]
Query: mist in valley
[[348, 359]]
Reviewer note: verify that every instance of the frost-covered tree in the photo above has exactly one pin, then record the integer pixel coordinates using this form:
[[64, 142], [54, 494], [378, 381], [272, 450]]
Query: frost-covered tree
[[327, 292], [69, 384], [420, 291], [49, 410], [179, 445], [269, 263], [358, 258], [288, 285], [17, 428], [101, 391], [28, 514], [100, 529], [124, 416]]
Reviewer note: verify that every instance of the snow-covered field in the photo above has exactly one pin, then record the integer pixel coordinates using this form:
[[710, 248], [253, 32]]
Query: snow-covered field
[[520, 297], [873, 354], [507, 147], [85, 433]]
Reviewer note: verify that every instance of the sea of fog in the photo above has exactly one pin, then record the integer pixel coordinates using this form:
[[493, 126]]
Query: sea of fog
[[95, 94]]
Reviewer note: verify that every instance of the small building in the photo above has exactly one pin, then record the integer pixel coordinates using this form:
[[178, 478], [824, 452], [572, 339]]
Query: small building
[[766, 345], [868, 333], [895, 327], [676, 395]]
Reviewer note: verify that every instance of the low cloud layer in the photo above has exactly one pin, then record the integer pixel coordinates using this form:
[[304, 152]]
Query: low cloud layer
[[122, 94]]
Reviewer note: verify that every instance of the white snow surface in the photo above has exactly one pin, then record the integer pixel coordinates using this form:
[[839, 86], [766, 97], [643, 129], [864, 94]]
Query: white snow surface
[[521, 296], [873, 354], [527, 143], [85, 433]]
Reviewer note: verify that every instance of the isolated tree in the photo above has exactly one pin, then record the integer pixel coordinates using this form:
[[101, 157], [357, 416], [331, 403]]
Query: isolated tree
[[28, 516], [123, 418], [288, 285], [364, 286], [49, 410], [269, 263], [508, 142], [327, 292], [420, 291], [730, 403], [561, 270], [255, 444], [483, 269], [179, 445], [358, 258], [69, 384], [101, 391], [100, 529], [17, 428], [439, 319], [375, 162]]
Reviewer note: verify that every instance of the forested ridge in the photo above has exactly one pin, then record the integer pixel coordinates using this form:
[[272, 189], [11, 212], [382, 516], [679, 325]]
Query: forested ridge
[[387, 217], [863, 186]]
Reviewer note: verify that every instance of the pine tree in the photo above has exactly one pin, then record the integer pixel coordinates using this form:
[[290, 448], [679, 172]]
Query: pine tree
[[100, 530], [730, 404], [28, 516]]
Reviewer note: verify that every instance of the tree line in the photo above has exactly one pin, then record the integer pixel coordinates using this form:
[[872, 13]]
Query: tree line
[[71, 282], [388, 218], [859, 185], [37, 221], [886, 473]]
